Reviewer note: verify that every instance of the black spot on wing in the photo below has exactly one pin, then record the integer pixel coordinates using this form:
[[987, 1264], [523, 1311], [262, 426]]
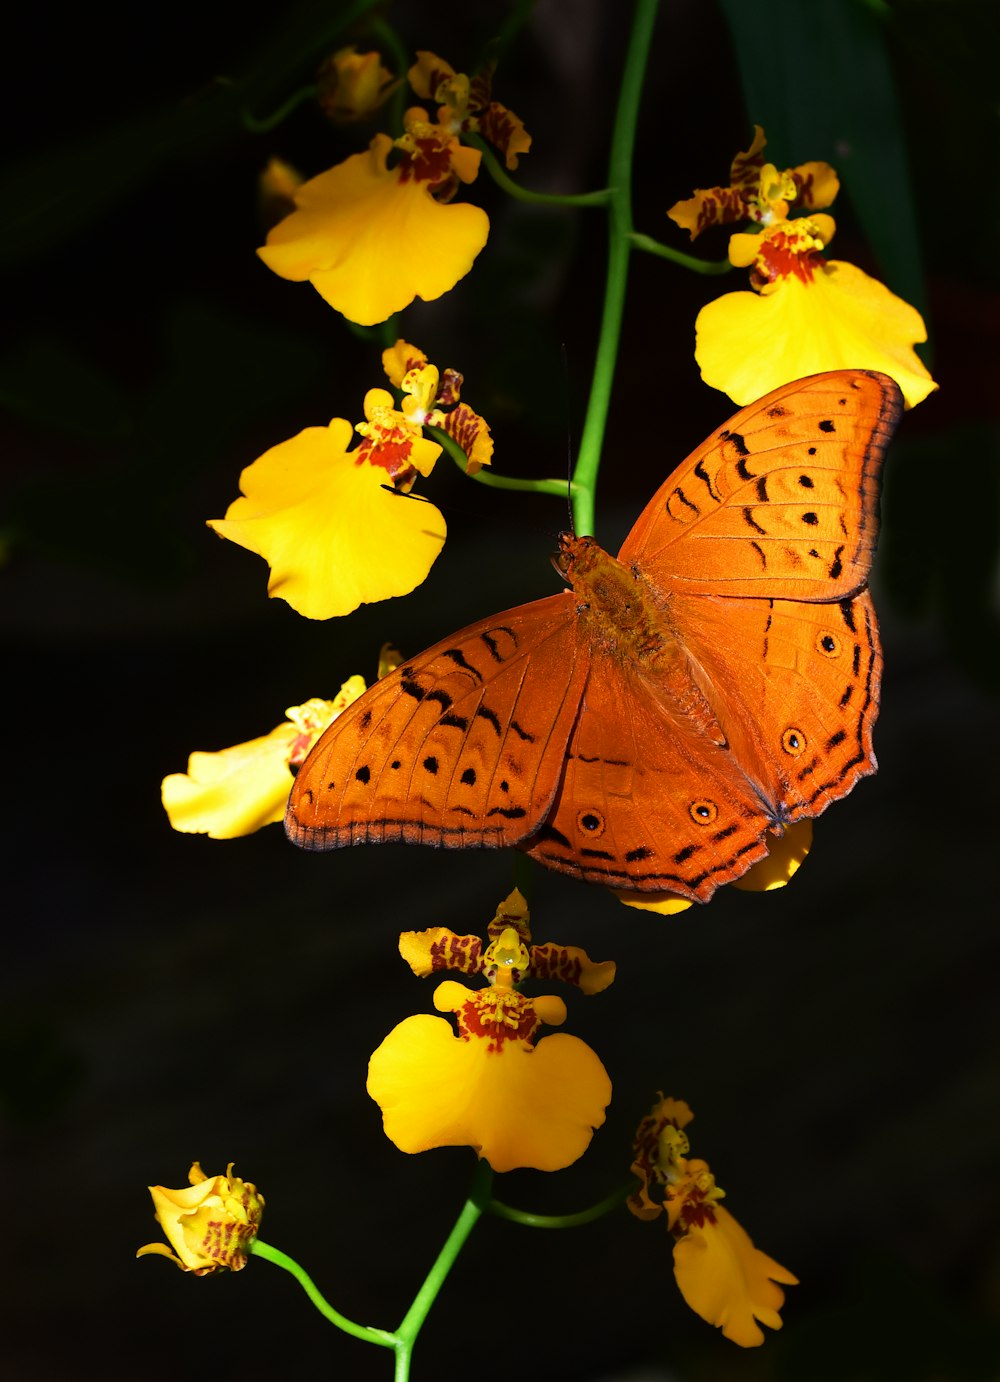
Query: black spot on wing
[[737, 440], [706, 480], [460, 660], [549, 832], [684, 500], [490, 716], [685, 853], [827, 425], [751, 522]]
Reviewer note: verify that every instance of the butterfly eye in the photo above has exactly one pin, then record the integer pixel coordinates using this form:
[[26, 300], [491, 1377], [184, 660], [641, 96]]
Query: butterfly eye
[[703, 812], [828, 644], [793, 741], [591, 823]]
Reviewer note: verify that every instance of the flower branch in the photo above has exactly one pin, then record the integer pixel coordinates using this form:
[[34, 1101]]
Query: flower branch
[[359, 1331], [522, 194], [488, 477], [582, 1216], [686, 261]]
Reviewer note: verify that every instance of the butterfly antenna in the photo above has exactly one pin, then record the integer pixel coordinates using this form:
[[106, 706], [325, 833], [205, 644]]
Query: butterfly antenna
[[406, 494], [569, 439]]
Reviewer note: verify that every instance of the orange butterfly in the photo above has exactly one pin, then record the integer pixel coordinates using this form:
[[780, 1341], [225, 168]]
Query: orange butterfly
[[648, 727]]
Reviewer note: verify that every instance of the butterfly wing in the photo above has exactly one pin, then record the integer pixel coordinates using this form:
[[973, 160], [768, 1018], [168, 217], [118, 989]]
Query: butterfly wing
[[647, 800], [759, 546], [781, 502], [794, 685], [461, 746]]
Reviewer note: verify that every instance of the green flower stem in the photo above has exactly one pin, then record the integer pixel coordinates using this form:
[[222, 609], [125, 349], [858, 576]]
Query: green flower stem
[[260, 125], [487, 477], [359, 1331], [583, 1216], [619, 247], [687, 261], [513, 189], [402, 1340], [392, 45], [406, 1334]]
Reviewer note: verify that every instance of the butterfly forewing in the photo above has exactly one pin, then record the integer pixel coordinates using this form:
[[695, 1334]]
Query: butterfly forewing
[[782, 501], [455, 747]]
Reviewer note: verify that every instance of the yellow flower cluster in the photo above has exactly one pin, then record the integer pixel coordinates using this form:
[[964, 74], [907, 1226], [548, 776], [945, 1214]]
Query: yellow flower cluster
[[805, 314], [334, 524], [371, 235]]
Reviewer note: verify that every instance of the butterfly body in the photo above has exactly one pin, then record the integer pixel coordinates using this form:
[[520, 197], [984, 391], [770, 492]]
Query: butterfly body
[[647, 727]]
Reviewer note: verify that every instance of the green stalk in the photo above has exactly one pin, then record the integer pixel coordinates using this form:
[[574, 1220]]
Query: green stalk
[[582, 1216], [619, 247], [406, 1334], [522, 194], [359, 1331], [402, 1340], [486, 476], [686, 261]]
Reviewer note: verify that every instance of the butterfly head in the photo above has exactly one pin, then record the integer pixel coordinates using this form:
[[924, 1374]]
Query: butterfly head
[[573, 554]]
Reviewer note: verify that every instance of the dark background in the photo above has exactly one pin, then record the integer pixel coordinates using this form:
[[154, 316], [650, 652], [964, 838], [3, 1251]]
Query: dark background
[[167, 997]]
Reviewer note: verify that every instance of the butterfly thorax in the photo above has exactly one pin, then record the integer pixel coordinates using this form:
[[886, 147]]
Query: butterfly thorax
[[625, 619]]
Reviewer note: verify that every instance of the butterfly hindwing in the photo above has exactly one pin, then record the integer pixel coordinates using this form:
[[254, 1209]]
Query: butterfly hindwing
[[647, 801], [794, 686], [453, 748]]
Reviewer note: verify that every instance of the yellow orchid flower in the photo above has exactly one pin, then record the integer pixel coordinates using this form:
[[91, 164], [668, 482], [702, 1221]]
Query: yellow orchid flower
[[488, 1083], [239, 790], [211, 1224], [721, 1275]]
